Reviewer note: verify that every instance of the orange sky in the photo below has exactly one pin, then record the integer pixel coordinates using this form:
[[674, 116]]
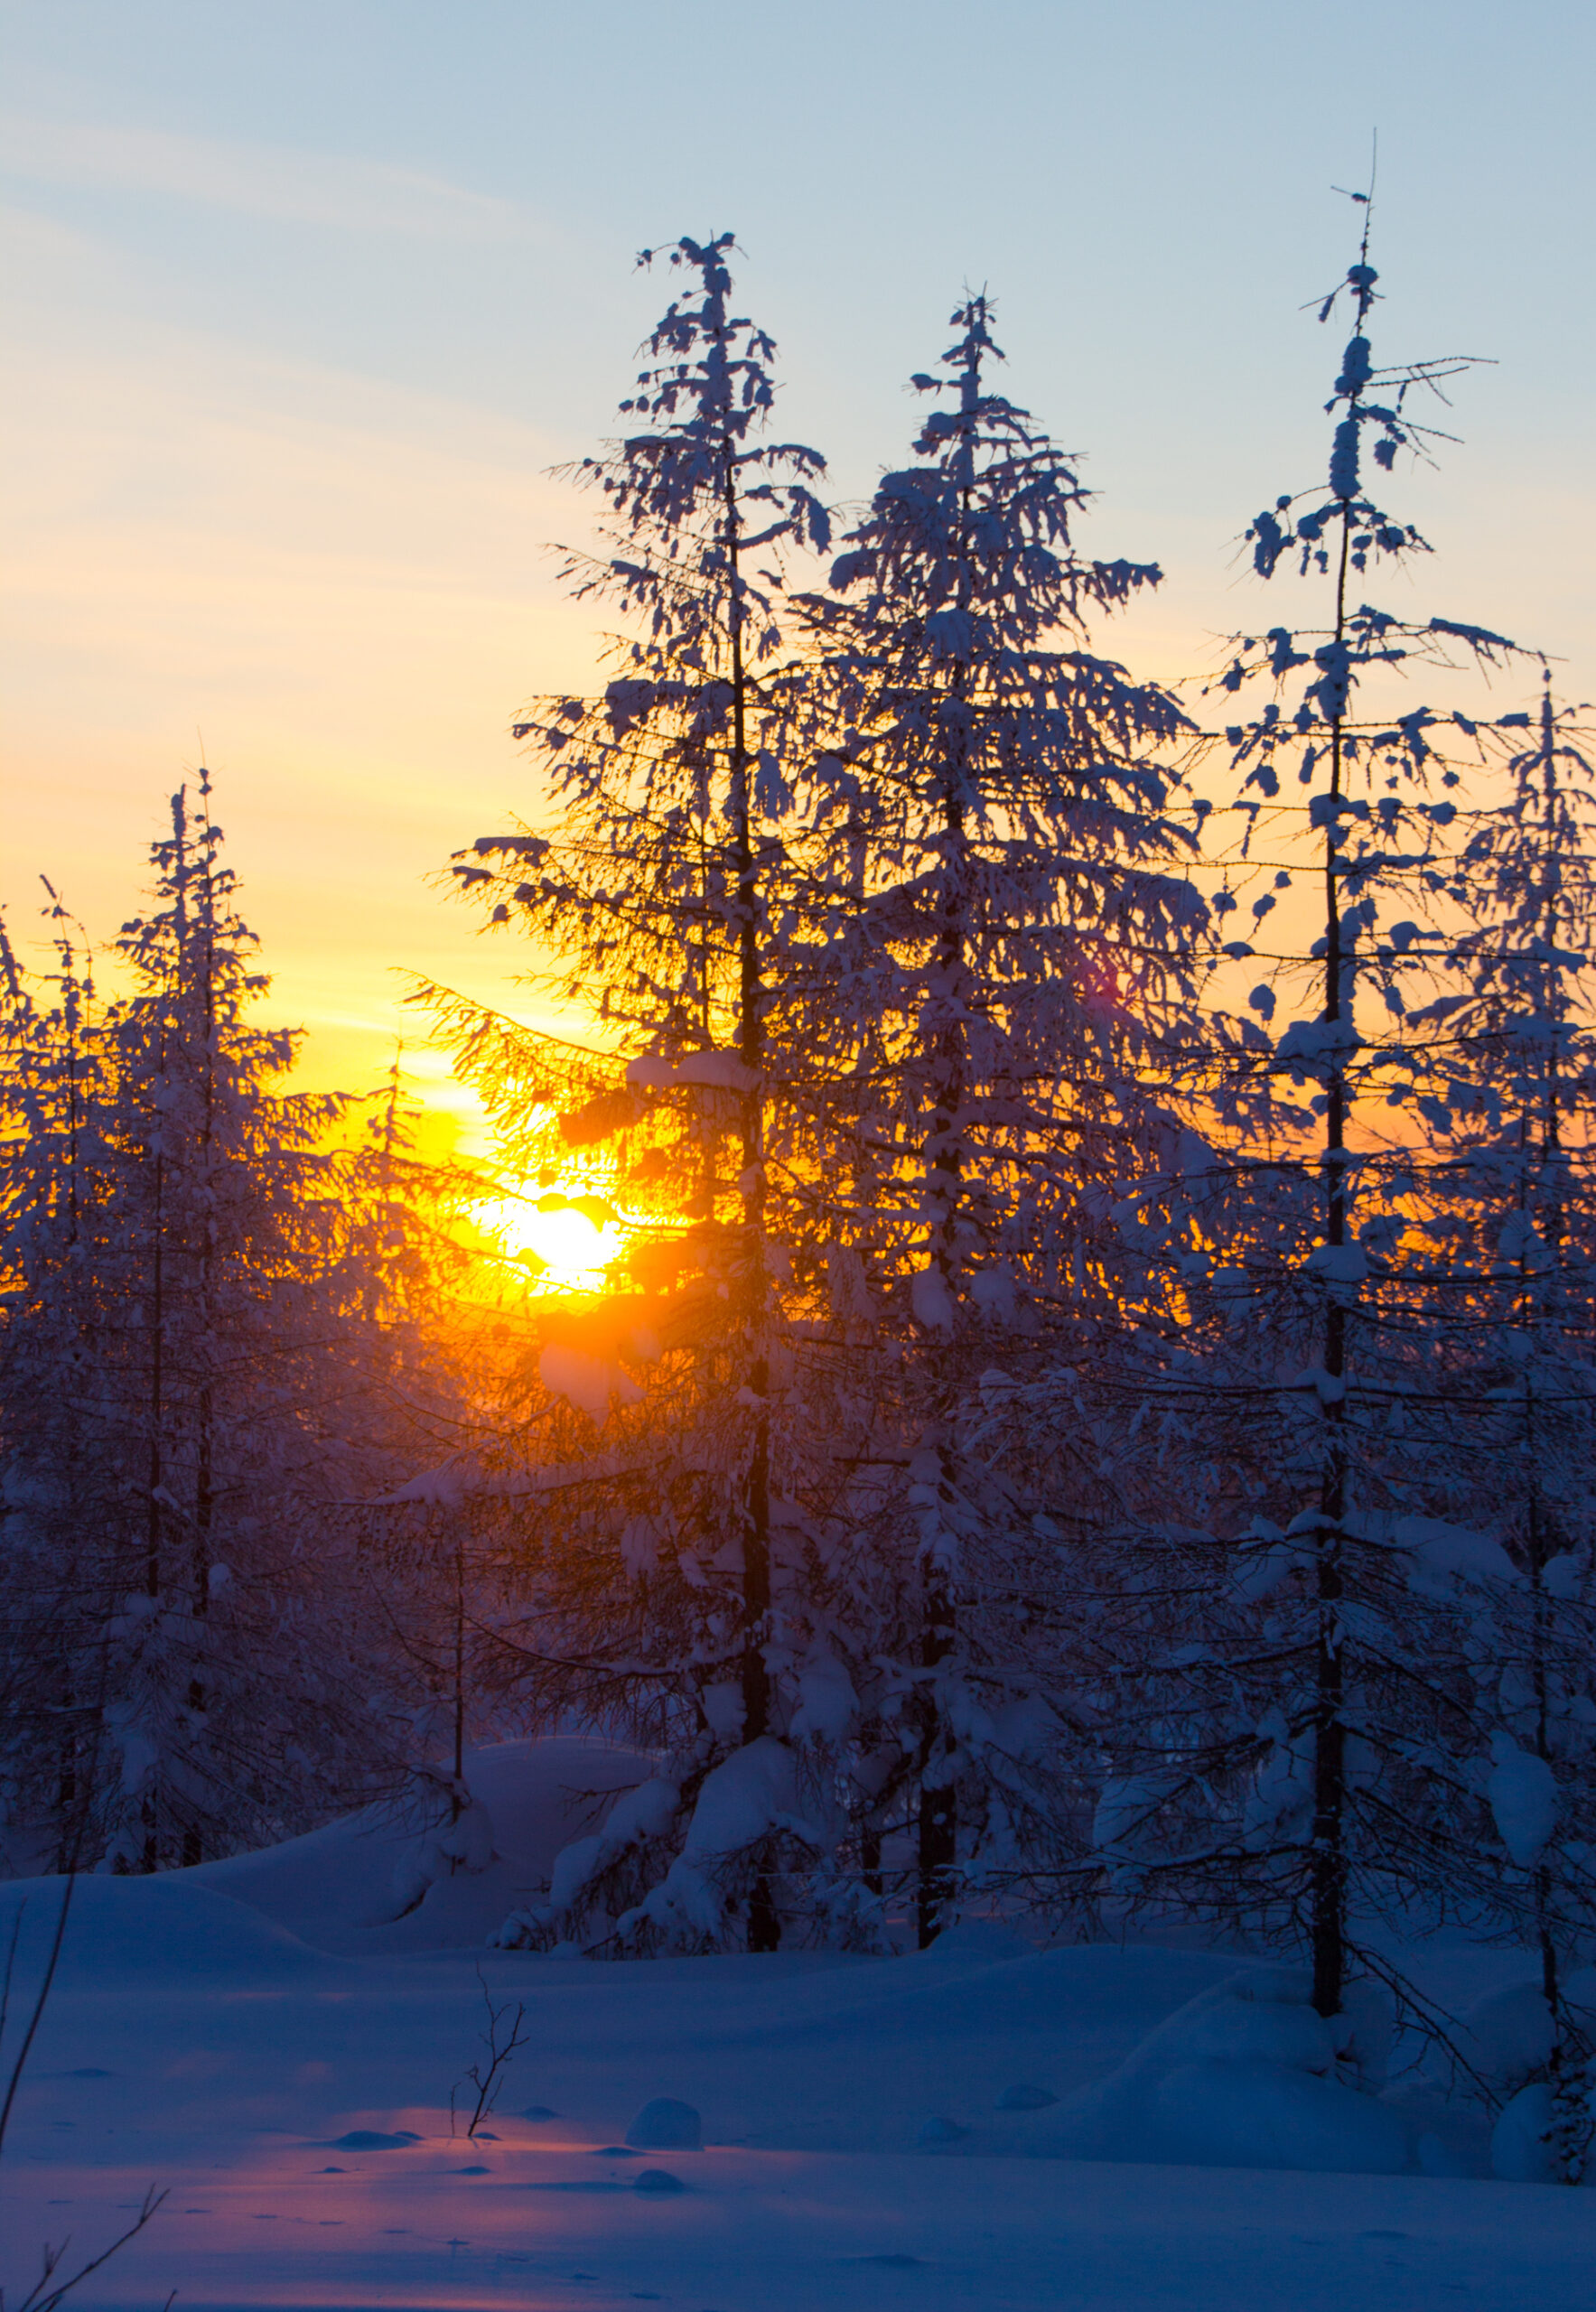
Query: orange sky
[[339, 585]]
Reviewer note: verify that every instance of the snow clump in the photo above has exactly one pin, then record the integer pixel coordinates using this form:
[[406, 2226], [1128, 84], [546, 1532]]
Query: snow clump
[[645, 1812], [747, 1798], [1523, 1800], [666, 2125], [1509, 2035], [1520, 2152], [587, 1383]]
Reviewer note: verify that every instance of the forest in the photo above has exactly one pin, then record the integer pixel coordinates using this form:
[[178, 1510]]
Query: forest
[[1089, 1419]]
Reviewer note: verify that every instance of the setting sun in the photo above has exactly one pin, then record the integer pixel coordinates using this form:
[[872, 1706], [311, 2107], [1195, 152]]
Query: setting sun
[[574, 1238]]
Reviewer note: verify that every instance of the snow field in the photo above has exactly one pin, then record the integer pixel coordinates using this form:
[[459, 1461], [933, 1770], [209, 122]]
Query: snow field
[[983, 2123], [772, 2232]]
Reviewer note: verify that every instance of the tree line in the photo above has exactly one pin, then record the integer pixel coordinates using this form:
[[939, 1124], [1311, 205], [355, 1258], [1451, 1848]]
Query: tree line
[[1072, 1430]]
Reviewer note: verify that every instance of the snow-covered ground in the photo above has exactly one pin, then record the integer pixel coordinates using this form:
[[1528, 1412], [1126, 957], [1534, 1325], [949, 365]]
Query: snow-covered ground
[[238, 2034]]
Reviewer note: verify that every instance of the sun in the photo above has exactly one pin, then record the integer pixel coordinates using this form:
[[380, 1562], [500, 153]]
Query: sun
[[572, 1240]]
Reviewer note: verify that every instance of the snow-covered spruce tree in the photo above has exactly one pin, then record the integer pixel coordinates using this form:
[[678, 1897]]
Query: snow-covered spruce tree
[[1305, 1765], [653, 1605], [53, 1081], [1521, 1248], [1001, 972], [201, 1353]]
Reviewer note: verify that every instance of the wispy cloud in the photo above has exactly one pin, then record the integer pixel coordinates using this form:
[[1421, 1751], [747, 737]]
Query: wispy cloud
[[275, 181]]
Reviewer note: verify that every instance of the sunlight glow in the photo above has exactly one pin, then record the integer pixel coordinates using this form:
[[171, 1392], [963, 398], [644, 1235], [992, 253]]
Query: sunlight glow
[[574, 1238]]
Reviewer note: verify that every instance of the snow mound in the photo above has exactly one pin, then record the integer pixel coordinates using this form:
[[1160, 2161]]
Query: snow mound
[[1253, 2114], [666, 2125], [341, 1888], [1523, 1799], [657, 2179], [149, 1932], [1509, 2034], [1024, 2098], [1242, 2076], [938, 2129], [1264, 2016], [1519, 2152]]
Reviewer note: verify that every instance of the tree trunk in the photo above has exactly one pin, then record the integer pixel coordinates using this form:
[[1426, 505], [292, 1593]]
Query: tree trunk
[[764, 1923], [1328, 1867]]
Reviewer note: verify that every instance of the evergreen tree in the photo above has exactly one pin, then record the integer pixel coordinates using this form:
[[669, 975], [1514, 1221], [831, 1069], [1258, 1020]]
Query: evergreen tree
[[1520, 1204], [1005, 980], [655, 894], [57, 1092], [201, 1353], [1306, 1759]]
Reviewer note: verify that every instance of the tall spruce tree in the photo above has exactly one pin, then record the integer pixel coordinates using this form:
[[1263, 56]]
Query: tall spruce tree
[[1516, 1171], [1009, 961], [1303, 1760], [653, 893]]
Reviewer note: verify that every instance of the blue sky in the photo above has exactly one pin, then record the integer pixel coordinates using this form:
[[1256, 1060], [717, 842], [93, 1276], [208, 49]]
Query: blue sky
[[306, 299]]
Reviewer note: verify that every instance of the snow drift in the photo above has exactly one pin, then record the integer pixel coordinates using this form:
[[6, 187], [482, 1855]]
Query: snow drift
[[343, 1887], [1243, 2075]]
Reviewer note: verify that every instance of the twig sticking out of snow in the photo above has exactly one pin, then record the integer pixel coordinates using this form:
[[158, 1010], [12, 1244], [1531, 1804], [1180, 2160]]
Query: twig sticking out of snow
[[488, 2080], [47, 2291]]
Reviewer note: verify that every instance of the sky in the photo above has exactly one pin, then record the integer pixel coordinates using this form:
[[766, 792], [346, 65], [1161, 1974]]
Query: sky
[[304, 302]]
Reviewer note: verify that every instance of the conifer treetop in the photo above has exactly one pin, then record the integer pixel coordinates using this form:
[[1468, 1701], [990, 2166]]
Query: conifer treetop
[[690, 488], [196, 922], [977, 539], [1338, 530]]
